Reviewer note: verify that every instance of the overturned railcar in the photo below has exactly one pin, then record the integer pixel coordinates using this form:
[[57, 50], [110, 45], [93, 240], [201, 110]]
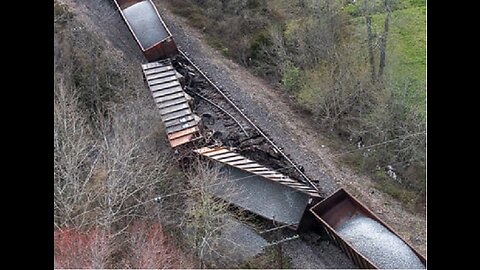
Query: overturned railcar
[[367, 240], [258, 189], [147, 27]]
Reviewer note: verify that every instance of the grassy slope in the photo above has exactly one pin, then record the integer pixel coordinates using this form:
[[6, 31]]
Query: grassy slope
[[405, 65], [406, 49], [408, 39]]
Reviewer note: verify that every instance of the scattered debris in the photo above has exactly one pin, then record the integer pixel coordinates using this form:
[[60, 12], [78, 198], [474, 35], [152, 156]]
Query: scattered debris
[[391, 172]]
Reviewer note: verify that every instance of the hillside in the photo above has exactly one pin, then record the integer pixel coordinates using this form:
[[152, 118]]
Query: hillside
[[315, 53], [299, 70]]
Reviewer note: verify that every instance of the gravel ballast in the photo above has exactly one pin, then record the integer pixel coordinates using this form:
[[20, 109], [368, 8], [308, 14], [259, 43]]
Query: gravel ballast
[[378, 244]]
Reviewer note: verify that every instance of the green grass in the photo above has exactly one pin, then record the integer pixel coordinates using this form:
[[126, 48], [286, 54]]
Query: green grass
[[407, 42], [377, 6], [415, 3], [406, 58], [408, 198]]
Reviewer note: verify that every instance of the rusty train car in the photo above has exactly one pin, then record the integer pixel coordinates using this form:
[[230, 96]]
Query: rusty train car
[[147, 27], [338, 209], [322, 215]]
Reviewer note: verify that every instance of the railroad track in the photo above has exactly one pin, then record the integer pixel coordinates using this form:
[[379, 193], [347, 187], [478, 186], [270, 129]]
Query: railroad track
[[210, 101], [245, 123]]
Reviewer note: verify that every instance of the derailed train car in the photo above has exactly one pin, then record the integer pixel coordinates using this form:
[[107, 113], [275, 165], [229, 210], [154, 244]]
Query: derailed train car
[[366, 239], [147, 27], [362, 236]]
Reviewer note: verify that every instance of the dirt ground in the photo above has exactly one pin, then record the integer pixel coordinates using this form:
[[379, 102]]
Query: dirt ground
[[269, 110]]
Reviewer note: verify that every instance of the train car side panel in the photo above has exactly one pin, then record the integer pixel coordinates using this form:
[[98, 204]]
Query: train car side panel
[[126, 3], [165, 49]]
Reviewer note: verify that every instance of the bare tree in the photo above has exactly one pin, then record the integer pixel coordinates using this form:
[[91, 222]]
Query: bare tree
[[74, 164], [74, 248], [371, 57], [383, 40], [278, 48], [111, 173], [383, 44], [108, 165], [149, 248], [206, 214], [103, 182]]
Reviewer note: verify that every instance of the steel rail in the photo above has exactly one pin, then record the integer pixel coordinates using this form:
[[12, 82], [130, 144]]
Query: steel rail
[[221, 109]]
